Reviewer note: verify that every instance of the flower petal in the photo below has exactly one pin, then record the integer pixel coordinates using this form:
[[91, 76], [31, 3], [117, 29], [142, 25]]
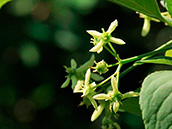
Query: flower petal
[[97, 112], [114, 85], [100, 50], [87, 77], [116, 40], [94, 33], [97, 47], [130, 94], [101, 96], [86, 91], [112, 27], [78, 86]]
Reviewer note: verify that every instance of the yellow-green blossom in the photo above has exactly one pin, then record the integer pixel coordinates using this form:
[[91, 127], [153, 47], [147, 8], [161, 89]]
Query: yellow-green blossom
[[114, 96], [99, 39], [86, 88]]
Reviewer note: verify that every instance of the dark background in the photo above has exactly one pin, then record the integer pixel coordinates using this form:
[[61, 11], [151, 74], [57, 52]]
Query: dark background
[[38, 37]]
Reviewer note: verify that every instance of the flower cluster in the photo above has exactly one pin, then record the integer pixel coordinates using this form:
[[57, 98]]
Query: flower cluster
[[109, 98], [114, 97], [99, 39]]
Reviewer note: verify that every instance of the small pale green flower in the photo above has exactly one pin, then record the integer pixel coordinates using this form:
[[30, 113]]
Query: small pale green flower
[[114, 96], [146, 24], [99, 39], [86, 88]]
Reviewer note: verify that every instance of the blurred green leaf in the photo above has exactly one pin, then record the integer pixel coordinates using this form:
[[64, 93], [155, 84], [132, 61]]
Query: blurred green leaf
[[96, 77], [155, 100], [66, 83], [169, 6], [147, 7], [87, 64], [3, 2], [73, 63]]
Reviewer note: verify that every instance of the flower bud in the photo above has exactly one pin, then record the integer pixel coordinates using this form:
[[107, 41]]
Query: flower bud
[[101, 67], [102, 96], [115, 106], [87, 77], [114, 85], [146, 27], [97, 112], [130, 94]]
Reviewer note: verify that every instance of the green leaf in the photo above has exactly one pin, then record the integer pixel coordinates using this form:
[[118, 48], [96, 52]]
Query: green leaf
[[73, 64], [3, 2], [168, 53], [74, 81], [66, 83], [147, 7], [131, 105], [155, 100], [158, 60], [86, 65], [169, 6], [96, 77]]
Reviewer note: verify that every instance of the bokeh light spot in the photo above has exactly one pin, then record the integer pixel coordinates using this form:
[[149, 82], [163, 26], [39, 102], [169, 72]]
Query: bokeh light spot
[[24, 110], [40, 12], [43, 96], [67, 40], [38, 31], [84, 5], [22, 7], [30, 55]]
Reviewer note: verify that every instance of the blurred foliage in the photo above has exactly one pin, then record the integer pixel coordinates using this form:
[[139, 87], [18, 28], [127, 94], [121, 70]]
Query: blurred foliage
[[38, 37]]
